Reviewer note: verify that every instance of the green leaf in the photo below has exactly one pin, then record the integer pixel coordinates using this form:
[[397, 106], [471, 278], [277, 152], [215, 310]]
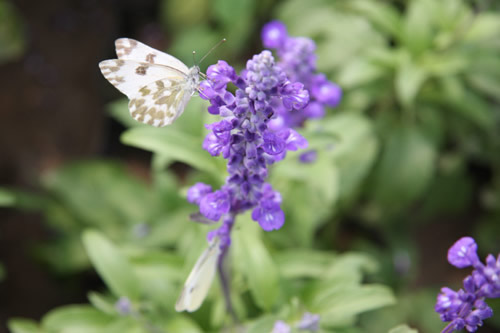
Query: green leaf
[[21, 325], [75, 319], [406, 167], [403, 329], [346, 302], [177, 145], [254, 261], [112, 265]]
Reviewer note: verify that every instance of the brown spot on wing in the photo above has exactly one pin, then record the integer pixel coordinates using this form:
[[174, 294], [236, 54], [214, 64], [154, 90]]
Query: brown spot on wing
[[141, 70], [150, 58]]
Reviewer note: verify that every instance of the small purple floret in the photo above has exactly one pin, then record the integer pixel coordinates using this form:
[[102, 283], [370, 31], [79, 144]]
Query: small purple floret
[[466, 308]]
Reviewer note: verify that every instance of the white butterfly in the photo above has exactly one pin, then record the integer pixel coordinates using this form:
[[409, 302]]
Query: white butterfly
[[158, 85], [200, 279]]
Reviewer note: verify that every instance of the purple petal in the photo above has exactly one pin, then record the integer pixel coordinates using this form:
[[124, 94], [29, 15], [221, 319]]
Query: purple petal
[[463, 253], [214, 205], [198, 191]]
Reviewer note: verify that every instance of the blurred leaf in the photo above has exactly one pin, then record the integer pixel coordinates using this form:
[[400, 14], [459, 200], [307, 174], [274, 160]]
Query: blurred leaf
[[178, 145], [183, 324], [263, 324], [405, 169], [237, 18], [357, 72], [102, 302], [355, 152], [409, 79], [119, 111], [253, 260], [346, 302], [484, 26], [75, 319], [200, 38], [7, 198], [403, 329], [417, 29], [299, 263], [21, 325], [112, 266], [178, 15], [12, 39], [116, 198], [381, 14]]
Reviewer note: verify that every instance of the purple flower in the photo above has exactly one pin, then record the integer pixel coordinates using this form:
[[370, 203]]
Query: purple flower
[[309, 156], [281, 327], [309, 322], [467, 308], [245, 140], [214, 205], [298, 60], [198, 191], [123, 306]]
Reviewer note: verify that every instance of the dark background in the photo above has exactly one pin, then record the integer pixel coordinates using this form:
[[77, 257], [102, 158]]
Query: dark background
[[53, 110]]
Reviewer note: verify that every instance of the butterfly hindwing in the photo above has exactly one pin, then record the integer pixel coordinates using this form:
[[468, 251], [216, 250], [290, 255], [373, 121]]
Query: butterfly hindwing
[[130, 49], [160, 102], [199, 280]]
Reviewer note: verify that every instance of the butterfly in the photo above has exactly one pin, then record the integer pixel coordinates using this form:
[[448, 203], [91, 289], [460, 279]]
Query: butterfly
[[200, 279], [158, 85]]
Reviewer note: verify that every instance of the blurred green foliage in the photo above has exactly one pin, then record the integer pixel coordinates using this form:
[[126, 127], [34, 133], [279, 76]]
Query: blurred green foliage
[[421, 82], [12, 38]]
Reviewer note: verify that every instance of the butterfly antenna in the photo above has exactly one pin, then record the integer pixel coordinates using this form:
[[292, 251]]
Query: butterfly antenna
[[194, 59], [213, 48]]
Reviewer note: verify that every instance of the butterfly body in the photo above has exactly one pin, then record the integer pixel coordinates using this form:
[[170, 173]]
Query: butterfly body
[[158, 85]]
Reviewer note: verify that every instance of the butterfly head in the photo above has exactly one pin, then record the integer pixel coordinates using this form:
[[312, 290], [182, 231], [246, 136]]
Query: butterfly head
[[194, 76]]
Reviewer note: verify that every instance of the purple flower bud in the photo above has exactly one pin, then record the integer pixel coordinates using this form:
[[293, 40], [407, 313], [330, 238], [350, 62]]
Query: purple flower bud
[[294, 140], [463, 253], [325, 91], [309, 156], [215, 204], [198, 191], [273, 34]]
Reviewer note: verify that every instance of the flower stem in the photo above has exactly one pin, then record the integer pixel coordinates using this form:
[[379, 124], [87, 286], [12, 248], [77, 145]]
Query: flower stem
[[224, 281]]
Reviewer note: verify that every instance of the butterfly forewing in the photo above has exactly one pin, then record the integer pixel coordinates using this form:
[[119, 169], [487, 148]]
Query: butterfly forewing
[[131, 49], [158, 85]]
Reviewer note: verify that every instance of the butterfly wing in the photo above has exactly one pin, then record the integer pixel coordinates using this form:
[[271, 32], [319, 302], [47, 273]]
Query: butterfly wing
[[130, 49], [130, 76], [199, 280], [160, 102]]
